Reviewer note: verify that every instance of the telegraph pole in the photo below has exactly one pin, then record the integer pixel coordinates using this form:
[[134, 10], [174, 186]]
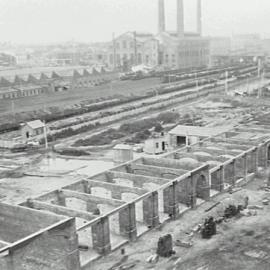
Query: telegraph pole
[[12, 106], [197, 83], [45, 136], [114, 51], [226, 82], [135, 47]]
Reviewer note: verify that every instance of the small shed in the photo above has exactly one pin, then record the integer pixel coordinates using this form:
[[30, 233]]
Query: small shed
[[185, 135], [33, 130], [122, 153], [156, 144]]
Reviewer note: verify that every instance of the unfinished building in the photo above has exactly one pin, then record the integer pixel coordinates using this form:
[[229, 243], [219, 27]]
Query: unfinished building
[[31, 239], [121, 204]]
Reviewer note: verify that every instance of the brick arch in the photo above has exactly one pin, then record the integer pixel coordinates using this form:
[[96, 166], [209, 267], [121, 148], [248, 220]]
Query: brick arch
[[268, 151], [202, 186]]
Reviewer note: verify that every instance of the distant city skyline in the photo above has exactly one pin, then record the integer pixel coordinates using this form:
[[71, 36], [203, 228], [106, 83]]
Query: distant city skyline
[[53, 21]]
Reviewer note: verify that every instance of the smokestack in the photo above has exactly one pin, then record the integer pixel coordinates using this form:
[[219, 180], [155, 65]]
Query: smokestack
[[161, 16], [180, 18], [199, 17]]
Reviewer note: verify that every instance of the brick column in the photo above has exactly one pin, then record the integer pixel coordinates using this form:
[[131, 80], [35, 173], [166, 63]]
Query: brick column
[[171, 206], [234, 172], [217, 179], [260, 156], [254, 160], [127, 222], [61, 198], [230, 169], [150, 210], [101, 236], [86, 188], [245, 158]]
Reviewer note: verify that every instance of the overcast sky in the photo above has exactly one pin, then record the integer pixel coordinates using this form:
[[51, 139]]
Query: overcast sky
[[36, 21]]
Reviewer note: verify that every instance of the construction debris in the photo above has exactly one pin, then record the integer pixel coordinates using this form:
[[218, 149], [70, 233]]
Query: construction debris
[[209, 228], [153, 258], [248, 212], [232, 211], [197, 228], [165, 246], [255, 207], [127, 266], [232, 190], [265, 201], [185, 244], [213, 206], [257, 254]]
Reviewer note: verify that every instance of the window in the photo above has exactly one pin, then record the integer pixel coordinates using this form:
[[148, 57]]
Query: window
[[124, 44], [118, 58], [111, 58], [139, 58], [157, 145], [131, 45]]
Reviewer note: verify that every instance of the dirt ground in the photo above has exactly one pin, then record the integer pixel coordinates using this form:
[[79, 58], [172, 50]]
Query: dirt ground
[[241, 243]]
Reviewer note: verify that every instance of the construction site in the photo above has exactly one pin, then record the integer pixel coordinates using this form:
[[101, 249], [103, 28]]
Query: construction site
[[163, 170], [106, 220]]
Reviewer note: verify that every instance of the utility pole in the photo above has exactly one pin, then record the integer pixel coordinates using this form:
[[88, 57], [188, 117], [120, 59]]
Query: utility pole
[[261, 85], [197, 83], [114, 51], [12, 106], [135, 47], [259, 67], [45, 135], [226, 82]]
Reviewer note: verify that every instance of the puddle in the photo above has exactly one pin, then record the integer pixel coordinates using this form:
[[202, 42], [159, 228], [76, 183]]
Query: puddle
[[74, 166]]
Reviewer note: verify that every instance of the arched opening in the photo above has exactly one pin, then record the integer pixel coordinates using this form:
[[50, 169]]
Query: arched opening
[[202, 187], [268, 152]]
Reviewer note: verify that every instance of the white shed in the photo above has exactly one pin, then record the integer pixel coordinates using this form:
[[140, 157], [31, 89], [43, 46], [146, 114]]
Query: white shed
[[155, 145], [186, 135], [122, 153], [33, 130]]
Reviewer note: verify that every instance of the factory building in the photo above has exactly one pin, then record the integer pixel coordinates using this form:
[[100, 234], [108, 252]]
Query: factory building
[[178, 49], [182, 49]]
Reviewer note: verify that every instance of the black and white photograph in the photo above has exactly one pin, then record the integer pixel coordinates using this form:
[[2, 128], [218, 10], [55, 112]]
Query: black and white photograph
[[134, 134]]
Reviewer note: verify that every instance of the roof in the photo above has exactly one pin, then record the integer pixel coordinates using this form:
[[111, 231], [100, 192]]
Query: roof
[[122, 147], [4, 82], [27, 87], [35, 124], [140, 36], [18, 80], [182, 130]]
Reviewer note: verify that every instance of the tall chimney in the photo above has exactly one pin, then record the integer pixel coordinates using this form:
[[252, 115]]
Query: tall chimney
[[199, 17], [180, 18], [161, 16]]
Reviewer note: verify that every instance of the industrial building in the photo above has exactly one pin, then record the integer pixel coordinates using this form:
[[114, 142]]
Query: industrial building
[[25, 85], [178, 49]]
